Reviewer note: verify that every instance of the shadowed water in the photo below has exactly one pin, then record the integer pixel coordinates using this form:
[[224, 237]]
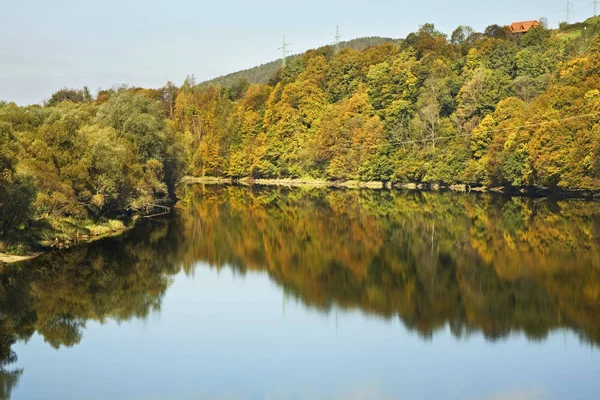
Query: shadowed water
[[314, 293]]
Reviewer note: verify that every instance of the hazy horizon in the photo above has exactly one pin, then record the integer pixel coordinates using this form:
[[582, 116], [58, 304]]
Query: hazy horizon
[[103, 44]]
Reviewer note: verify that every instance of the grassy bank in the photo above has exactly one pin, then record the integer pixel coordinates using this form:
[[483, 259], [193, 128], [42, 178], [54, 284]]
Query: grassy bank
[[47, 234]]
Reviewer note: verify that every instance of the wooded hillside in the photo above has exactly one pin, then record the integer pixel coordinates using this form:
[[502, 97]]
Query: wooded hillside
[[487, 108]]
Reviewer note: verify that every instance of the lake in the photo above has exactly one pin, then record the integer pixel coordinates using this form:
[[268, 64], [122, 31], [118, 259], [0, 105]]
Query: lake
[[275, 293]]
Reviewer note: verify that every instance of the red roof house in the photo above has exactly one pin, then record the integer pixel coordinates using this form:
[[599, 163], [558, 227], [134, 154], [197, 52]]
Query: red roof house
[[523, 27]]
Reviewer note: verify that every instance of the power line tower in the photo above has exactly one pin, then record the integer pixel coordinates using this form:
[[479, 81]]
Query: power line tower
[[336, 43], [569, 10], [595, 4], [284, 52]]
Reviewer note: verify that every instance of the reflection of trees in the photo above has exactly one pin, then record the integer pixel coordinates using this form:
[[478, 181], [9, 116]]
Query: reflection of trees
[[482, 263], [55, 295], [8, 381], [17, 322], [476, 263]]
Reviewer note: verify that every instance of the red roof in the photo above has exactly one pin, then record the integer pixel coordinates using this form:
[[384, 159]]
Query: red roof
[[522, 27]]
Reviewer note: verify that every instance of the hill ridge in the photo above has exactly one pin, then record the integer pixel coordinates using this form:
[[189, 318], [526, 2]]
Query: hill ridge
[[264, 72]]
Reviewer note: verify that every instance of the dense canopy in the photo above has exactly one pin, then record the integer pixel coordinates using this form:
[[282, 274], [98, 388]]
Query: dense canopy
[[492, 109]]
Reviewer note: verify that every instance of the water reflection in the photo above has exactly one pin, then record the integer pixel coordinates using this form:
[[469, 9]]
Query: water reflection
[[474, 262], [55, 295], [478, 263]]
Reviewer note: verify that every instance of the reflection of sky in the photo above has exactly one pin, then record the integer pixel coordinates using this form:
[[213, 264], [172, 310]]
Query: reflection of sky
[[224, 336]]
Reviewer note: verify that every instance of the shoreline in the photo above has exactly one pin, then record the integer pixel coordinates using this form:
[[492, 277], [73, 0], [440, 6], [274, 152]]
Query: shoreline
[[11, 259], [46, 246], [284, 182], [528, 191]]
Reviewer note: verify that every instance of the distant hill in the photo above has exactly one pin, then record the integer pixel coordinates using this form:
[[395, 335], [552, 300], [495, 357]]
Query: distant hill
[[264, 72]]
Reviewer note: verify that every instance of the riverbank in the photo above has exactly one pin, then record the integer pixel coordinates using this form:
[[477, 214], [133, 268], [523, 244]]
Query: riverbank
[[284, 182], [45, 236], [378, 185], [11, 259]]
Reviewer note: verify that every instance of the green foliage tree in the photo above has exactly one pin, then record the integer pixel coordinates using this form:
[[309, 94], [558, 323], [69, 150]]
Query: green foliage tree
[[17, 191], [460, 34], [535, 37], [496, 31], [72, 95]]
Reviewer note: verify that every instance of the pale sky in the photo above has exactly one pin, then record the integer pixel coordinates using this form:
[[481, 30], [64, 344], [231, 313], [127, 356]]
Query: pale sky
[[46, 45]]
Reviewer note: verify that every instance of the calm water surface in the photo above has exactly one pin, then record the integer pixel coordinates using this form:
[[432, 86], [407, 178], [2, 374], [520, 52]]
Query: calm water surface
[[317, 294]]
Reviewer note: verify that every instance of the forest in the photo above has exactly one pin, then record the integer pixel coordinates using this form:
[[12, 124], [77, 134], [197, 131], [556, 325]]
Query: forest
[[491, 109], [481, 108]]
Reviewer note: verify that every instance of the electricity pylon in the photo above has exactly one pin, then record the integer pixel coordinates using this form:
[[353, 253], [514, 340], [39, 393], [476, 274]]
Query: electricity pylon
[[336, 43], [595, 4], [569, 10], [284, 52]]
